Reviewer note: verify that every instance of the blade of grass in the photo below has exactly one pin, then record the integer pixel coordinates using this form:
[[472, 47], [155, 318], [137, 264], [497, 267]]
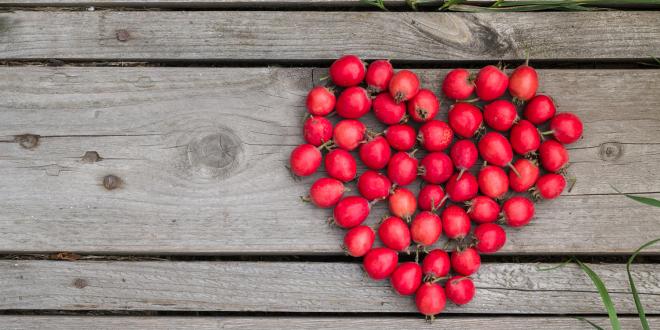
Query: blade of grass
[[377, 3], [562, 264], [633, 288], [604, 295], [591, 323], [641, 199]]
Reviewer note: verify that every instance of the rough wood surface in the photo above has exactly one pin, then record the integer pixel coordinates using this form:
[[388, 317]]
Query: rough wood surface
[[304, 287], [200, 155], [321, 323], [293, 36]]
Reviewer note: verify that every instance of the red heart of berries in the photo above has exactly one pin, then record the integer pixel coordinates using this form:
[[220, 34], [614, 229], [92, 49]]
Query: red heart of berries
[[444, 156]]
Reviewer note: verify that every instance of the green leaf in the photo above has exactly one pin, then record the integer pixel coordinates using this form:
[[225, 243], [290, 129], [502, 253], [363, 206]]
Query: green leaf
[[641, 199], [638, 302], [377, 3], [591, 323], [604, 295]]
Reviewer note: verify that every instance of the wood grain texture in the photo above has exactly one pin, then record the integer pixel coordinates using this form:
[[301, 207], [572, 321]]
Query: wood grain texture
[[321, 323], [304, 287], [201, 155], [292, 36]]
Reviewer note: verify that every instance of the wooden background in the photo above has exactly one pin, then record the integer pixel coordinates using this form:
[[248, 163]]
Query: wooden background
[[195, 106]]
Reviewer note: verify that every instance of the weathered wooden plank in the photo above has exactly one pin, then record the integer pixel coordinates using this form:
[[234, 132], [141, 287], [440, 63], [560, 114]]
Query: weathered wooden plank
[[26, 322], [160, 130], [303, 287], [272, 35]]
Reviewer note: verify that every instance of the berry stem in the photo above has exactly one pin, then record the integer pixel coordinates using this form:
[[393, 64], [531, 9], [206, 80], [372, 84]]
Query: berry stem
[[460, 174], [513, 169]]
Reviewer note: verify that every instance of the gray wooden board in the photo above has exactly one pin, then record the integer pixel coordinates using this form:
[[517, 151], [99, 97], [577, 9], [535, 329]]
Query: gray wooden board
[[304, 287], [161, 131], [291, 36], [321, 323]]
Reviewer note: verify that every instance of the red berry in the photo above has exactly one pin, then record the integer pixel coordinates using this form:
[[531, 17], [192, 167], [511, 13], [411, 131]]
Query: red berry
[[426, 228], [463, 154], [483, 209], [430, 197], [493, 181], [465, 262], [436, 264], [553, 156], [460, 290], [406, 278], [539, 109], [353, 103], [379, 74], [490, 238], [550, 186], [373, 185], [566, 127], [430, 299], [317, 130], [465, 119], [436, 167], [523, 83], [455, 222], [404, 85], [305, 160], [340, 165], [320, 101], [529, 173], [388, 111], [518, 211], [463, 189], [402, 168], [495, 149], [435, 135], [457, 84], [394, 233], [359, 240], [524, 137], [379, 263], [491, 83], [375, 153], [348, 134], [424, 106], [326, 192], [351, 211], [402, 203], [500, 115], [401, 137], [347, 71]]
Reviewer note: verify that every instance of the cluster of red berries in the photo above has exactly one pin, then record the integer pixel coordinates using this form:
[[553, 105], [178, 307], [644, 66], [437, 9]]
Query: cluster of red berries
[[397, 99]]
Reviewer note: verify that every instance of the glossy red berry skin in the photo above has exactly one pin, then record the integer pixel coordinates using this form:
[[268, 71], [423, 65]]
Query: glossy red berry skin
[[550, 186], [566, 127], [466, 262], [539, 109], [500, 115], [320, 101], [460, 290], [553, 156], [402, 169], [463, 189], [347, 71], [402, 203], [351, 211], [359, 240], [305, 160], [518, 211], [387, 111], [524, 137], [317, 130], [379, 74], [375, 153], [495, 149], [491, 83], [464, 154], [401, 137], [483, 209], [373, 185], [341, 165], [435, 135], [379, 263], [430, 299], [394, 233], [424, 106], [353, 103], [348, 134], [490, 238], [493, 181], [431, 197], [426, 228], [455, 222], [523, 83], [326, 192], [436, 167], [406, 278], [404, 85], [436, 264], [529, 173], [457, 84], [465, 119]]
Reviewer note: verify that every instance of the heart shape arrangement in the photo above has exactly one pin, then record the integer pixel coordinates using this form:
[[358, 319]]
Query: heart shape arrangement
[[451, 197]]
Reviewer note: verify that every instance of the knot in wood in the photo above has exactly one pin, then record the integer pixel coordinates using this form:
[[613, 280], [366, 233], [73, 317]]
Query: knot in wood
[[123, 35], [91, 157], [27, 141], [79, 283], [610, 151], [111, 182], [215, 154]]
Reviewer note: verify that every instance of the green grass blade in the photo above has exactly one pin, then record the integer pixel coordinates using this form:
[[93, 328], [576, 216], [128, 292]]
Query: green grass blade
[[633, 288], [590, 323], [562, 264], [377, 3], [604, 295], [641, 199]]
